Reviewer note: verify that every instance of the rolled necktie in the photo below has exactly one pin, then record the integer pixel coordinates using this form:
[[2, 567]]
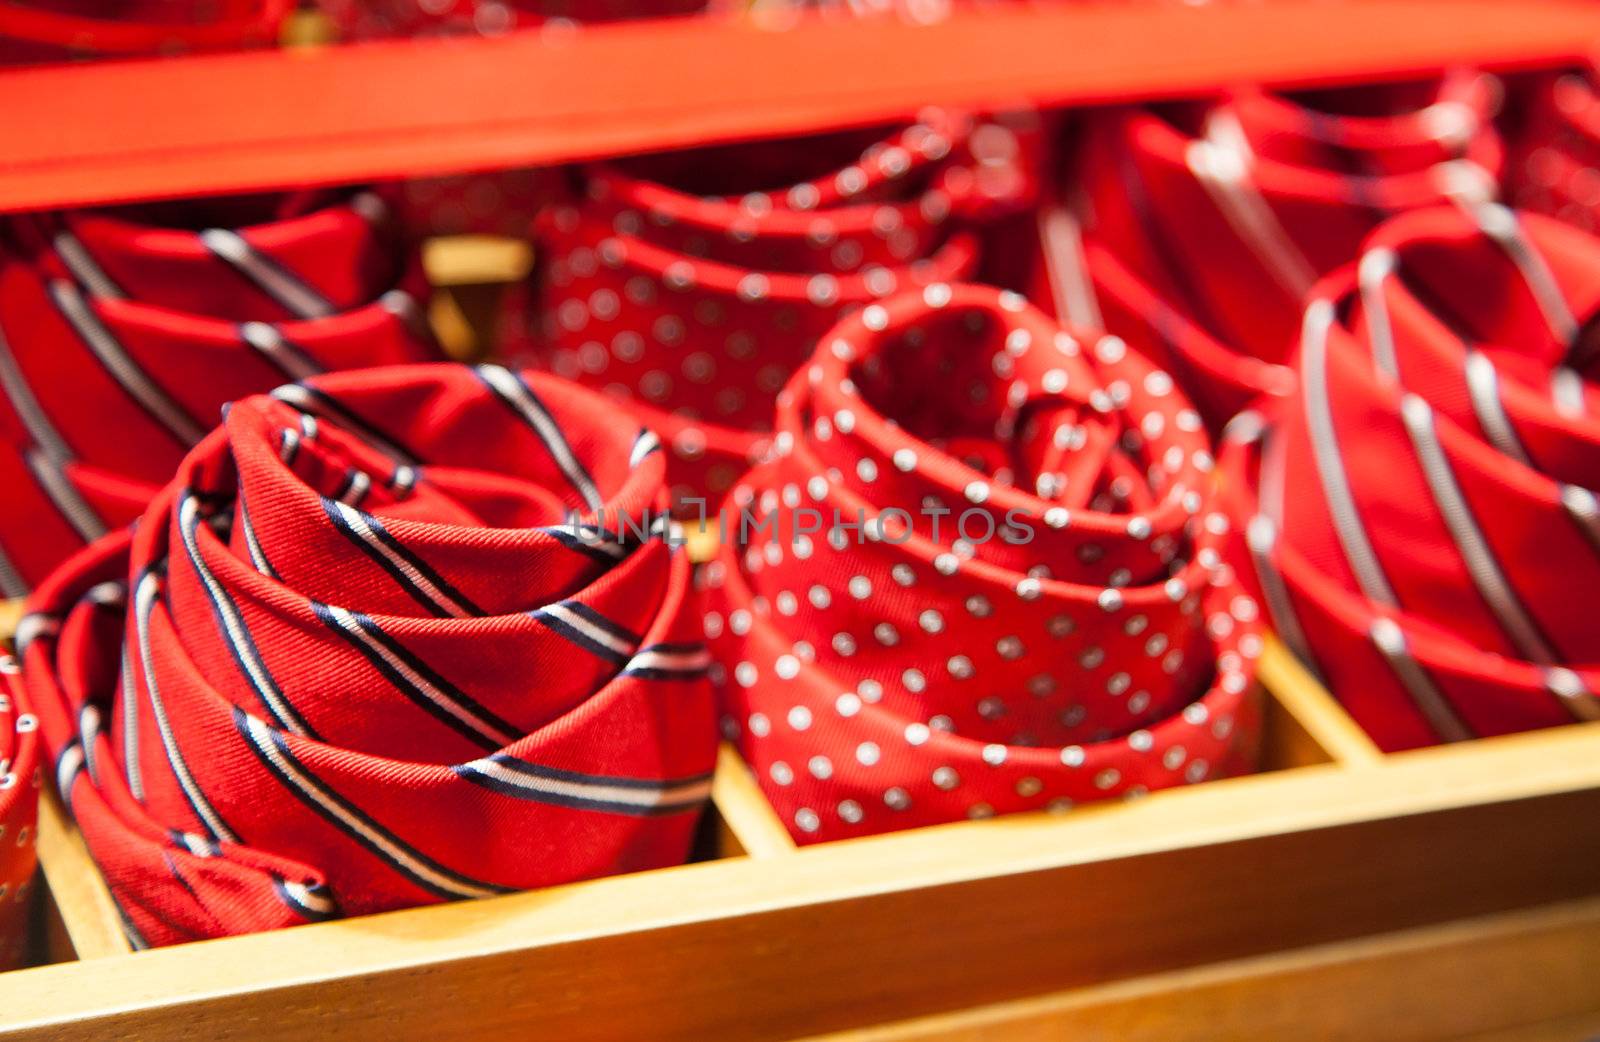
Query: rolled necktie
[[1555, 167], [19, 801], [52, 30], [979, 576], [694, 303], [372, 648], [1420, 516], [1205, 227], [120, 341]]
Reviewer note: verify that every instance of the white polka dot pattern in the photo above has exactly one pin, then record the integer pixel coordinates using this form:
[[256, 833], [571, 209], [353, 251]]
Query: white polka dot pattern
[[1029, 613], [667, 288], [1556, 169]]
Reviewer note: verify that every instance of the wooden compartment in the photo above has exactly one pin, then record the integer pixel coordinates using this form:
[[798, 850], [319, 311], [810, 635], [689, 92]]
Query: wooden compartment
[[1160, 907], [1430, 895]]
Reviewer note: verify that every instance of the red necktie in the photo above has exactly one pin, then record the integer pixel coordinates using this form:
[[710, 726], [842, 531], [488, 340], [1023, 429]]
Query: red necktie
[[19, 791], [1420, 514], [695, 304], [121, 336], [354, 658], [1064, 632], [1205, 227], [52, 30], [1555, 168]]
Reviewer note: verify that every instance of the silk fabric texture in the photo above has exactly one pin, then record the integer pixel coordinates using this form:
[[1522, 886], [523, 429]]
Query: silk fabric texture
[[692, 285], [1069, 632], [1421, 517], [123, 332], [354, 658], [1204, 226]]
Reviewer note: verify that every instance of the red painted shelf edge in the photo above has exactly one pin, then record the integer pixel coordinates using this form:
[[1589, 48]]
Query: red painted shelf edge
[[120, 131]]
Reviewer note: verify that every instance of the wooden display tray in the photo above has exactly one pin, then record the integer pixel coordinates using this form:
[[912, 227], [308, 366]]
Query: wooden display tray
[[1234, 909], [1429, 895]]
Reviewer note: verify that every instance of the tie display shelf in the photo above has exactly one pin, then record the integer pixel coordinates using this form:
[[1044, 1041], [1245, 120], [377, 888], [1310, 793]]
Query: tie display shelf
[[1444, 893]]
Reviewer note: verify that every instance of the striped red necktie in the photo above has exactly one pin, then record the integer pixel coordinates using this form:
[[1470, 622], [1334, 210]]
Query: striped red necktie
[[1206, 226], [1421, 515], [121, 336], [696, 304], [354, 658], [1063, 631]]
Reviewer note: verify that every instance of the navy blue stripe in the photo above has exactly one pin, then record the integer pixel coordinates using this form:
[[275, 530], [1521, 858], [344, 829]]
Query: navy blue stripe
[[327, 405], [291, 717], [616, 629], [467, 773], [539, 770], [406, 688], [353, 811], [350, 477], [572, 541], [169, 740], [400, 578], [539, 406], [64, 786], [262, 259], [689, 647], [578, 637], [178, 838], [250, 537], [289, 347], [305, 911], [423, 568], [660, 673]]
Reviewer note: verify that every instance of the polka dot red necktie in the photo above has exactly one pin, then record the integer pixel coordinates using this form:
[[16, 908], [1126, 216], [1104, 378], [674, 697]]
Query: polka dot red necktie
[[979, 576], [1555, 168], [1205, 227], [1420, 515], [121, 335], [355, 657], [695, 305]]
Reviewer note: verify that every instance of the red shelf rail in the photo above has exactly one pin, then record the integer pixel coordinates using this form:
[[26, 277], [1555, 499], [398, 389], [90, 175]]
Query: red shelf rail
[[118, 131]]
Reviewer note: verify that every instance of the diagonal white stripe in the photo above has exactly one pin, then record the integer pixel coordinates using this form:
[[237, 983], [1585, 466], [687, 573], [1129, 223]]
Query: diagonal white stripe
[[350, 625], [602, 637], [503, 381], [286, 289], [358, 524], [261, 738], [627, 795], [120, 365]]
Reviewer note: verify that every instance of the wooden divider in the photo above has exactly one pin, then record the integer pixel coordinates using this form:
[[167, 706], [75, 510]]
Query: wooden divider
[[77, 889], [1514, 972]]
